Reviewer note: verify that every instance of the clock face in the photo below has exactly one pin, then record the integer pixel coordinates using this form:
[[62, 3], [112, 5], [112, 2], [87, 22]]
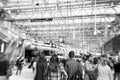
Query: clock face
[[61, 39]]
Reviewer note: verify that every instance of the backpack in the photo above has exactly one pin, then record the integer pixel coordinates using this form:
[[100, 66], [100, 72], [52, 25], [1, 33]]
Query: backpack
[[93, 74], [77, 75]]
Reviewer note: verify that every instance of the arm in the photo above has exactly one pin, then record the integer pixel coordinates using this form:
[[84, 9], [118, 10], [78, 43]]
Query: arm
[[66, 67], [80, 68], [64, 73], [88, 67], [65, 76], [110, 74]]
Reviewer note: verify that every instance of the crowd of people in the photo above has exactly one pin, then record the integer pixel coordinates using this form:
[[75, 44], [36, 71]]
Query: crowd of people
[[88, 68]]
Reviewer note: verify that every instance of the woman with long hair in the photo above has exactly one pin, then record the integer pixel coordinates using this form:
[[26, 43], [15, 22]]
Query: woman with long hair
[[55, 70], [40, 67], [104, 71]]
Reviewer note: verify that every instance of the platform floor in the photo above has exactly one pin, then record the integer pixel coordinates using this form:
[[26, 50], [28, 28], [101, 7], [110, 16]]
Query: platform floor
[[26, 74]]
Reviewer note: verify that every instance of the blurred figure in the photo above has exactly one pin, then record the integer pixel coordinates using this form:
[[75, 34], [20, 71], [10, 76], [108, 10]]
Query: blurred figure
[[73, 67], [95, 61], [64, 62], [19, 65], [55, 70], [4, 66], [110, 63], [104, 71], [34, 66], [40, 67], [33, 63], [117, 69], [89, 69]]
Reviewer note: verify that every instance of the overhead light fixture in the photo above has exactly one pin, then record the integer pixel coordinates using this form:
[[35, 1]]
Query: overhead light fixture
[[42, 20], [95, 32], [108, 25]]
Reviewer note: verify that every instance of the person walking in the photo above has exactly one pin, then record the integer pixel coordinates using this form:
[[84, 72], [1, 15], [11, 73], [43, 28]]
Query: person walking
[[55, 70], [40, 67], [33, 64], [73, 67], [89, 68], [104, 71], [19, 65]]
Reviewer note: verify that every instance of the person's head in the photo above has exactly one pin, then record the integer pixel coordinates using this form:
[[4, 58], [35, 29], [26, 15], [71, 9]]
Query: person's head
[[42, 58], [54, 64], [95, 60], [54, 58], [103, 60], [89, 58], [36, 51], [71, 54]]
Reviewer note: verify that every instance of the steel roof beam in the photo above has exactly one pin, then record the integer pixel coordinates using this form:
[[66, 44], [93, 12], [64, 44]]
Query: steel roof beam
[[63, 18], [64, 5]]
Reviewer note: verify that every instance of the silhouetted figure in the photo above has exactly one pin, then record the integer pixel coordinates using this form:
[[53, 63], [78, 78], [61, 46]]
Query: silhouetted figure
[[4, 66], [19, 65], [40, 67]]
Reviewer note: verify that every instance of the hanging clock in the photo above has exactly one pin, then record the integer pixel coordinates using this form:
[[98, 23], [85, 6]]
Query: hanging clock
[[61, 40]]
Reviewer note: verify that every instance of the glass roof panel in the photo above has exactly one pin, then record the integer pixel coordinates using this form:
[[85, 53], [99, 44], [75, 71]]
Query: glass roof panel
[[70, 18]]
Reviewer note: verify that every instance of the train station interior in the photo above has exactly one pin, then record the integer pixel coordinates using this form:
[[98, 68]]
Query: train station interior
[[31, 27]]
